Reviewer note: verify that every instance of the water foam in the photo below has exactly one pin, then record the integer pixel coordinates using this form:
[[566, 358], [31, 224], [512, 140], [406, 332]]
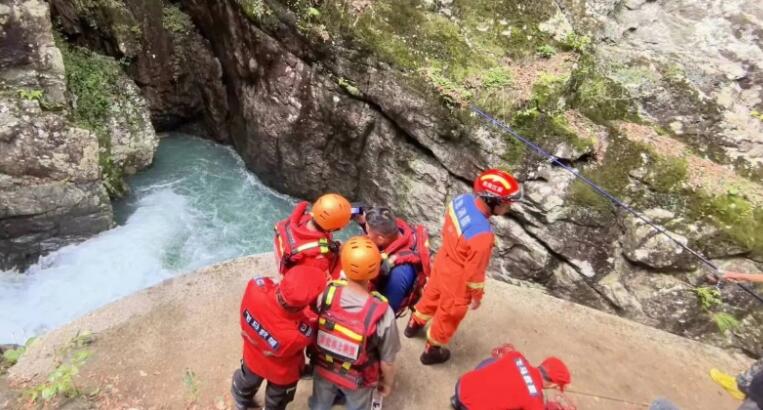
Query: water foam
[[195, 206]]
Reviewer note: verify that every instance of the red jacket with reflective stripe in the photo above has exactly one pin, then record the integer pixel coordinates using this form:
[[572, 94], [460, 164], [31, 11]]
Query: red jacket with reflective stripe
[[509, 383], [274, 339]]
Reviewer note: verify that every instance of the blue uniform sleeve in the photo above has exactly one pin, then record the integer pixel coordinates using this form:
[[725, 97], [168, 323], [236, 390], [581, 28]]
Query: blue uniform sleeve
[[399, 285]]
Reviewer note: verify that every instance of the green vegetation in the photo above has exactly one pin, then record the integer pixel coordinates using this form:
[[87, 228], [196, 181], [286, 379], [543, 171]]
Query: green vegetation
[[31, 95], [460, 57], [175, 20], [548, 93], [11, 356], [349, 87], [93, 83], [496, 77], [598, 97], [191, 383], [577, 42], [546, 51], [756, 114], [470, 57], [710, 298], [737, 218], [253, 9], [452, 92], [60, 382], [707, 297], [312, 12], [613, 173], [725, 322], [734, 215], [667, 174]]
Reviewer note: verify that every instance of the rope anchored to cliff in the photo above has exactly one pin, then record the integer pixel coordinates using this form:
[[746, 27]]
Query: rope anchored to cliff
[[604, 193]]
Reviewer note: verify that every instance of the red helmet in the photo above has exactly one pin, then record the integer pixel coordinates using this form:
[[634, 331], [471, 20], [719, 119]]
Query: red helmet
[[301, 285], [498, 184], [555, 371]]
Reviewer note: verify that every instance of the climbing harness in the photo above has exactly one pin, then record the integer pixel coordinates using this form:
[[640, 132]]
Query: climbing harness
[[601, 191]]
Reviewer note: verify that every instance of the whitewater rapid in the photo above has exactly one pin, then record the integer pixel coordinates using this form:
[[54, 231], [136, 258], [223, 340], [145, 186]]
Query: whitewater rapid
[[195, 206]]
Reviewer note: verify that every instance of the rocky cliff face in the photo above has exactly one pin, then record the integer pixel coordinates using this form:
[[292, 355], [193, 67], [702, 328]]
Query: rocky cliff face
[[161, 51], [692, 66], [366, 99], [659, 102], [55, 169]]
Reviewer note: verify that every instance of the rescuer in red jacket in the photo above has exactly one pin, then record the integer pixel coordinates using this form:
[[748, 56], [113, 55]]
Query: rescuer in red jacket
[[458, 273], [275, 332], [507, 381]]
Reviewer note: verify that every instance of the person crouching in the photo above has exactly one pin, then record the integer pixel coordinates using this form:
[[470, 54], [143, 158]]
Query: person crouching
[[508, 381]]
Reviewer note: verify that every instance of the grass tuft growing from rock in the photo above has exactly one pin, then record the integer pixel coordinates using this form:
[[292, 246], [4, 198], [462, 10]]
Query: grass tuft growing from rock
[[175, 20], [735, 216], [60, 382]]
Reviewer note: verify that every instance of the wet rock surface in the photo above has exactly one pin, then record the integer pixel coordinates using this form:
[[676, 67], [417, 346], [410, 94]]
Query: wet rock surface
[[173, 65], [312, 111], [50, 188], [310, 116], [52, 169]]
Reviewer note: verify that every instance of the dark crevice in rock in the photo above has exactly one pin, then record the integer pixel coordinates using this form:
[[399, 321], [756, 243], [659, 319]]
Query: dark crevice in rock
[[413, 140], [560, 258]]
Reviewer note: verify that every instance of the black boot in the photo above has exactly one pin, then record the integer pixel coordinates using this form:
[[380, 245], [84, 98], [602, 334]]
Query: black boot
[[340, 399], [413, 328], [434, 355]]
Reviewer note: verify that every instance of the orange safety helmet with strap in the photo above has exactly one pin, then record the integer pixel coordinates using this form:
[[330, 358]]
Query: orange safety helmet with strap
[[346, 347], [410, 247], [293, 242]]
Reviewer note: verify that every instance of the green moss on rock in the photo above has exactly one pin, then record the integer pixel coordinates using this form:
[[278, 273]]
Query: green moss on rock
[[667, 174], [254, 10], [739, 219], [612, 173], [175, 20], [113, 19], [92, 82], [599, 97]]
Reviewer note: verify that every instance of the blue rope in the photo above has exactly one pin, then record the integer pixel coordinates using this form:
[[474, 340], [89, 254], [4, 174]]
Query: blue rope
[[601, 191]]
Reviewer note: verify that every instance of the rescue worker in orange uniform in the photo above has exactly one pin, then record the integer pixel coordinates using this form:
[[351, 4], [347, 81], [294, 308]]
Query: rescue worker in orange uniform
[[275, 332], [458, 271], [507, 381], [305, 238], [357, 338]]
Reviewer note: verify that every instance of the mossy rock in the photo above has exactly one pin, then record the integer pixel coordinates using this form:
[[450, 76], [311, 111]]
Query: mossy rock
[[95, 87]]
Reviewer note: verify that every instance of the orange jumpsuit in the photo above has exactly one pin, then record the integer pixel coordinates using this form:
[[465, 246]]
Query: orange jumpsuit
[[458, 273]]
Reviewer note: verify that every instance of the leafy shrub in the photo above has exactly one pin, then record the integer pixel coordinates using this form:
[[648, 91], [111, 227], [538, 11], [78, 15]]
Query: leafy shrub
[[546, 51]]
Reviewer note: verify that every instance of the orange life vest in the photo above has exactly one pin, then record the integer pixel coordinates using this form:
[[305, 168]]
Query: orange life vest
[[293, 242], [346, 342]]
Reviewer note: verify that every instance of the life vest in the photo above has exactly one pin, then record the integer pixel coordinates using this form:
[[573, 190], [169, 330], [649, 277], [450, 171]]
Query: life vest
[[410, 247], [252, 329], [346, 352], [293, 242], [271, 334]]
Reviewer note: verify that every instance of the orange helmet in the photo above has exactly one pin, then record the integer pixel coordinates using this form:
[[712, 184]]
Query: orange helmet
[[498, 184], [361, 259], [332, 212]]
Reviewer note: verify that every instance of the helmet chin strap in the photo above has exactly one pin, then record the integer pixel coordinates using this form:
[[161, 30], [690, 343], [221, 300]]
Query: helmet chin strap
[[491, 203]]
